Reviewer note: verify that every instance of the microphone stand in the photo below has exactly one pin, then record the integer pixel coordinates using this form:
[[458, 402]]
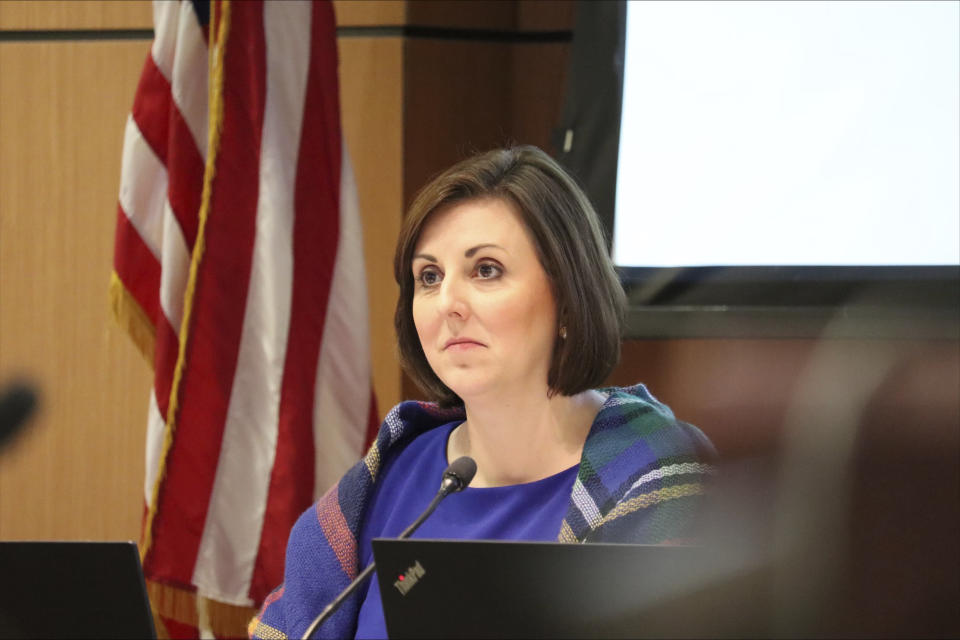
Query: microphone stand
[[457, 476]]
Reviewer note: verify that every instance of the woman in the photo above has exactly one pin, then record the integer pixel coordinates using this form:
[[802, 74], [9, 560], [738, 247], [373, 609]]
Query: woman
[[509, 315]]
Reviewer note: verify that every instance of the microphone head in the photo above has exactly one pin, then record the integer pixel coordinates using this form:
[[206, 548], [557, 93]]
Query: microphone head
[[458, 475], [17, 402]]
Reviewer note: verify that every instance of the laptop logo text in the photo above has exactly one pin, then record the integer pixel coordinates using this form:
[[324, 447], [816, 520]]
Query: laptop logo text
[[408, 580]]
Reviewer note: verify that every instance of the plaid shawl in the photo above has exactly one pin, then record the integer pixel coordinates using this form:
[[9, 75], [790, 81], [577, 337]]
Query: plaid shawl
[[641, 480]]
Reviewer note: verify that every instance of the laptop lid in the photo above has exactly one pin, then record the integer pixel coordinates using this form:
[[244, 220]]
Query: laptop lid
[[73, 590], [500, 589]]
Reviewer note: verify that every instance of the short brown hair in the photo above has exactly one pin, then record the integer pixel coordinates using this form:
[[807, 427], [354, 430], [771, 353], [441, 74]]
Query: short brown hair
[[570, 243]]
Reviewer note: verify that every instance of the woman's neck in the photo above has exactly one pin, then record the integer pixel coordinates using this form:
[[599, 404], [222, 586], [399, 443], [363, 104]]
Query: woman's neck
[[517, 440]]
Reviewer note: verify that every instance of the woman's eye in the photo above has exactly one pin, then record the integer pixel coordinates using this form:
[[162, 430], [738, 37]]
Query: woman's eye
[[487, 270], [428, 277]]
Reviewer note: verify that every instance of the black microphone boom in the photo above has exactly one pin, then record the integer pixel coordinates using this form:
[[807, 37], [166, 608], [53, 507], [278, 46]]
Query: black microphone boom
[[457, 476]]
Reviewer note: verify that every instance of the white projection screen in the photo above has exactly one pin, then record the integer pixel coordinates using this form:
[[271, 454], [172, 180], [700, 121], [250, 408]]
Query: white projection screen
[[789, 133]]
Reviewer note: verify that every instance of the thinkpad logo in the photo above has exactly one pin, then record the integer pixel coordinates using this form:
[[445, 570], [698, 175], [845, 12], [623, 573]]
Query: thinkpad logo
[[406, 581]]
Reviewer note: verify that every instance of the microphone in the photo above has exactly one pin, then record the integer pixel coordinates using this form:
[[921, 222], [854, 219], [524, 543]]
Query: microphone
[[17, 402], [457, 476]]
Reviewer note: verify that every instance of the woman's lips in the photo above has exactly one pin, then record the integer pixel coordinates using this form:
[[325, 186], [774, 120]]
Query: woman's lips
[[461, 344]]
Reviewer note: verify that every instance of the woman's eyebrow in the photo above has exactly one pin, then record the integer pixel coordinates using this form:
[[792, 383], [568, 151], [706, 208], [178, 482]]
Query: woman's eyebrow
[[469, 253], [472, 250]]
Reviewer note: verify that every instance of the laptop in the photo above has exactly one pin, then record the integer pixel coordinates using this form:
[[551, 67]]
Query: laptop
[[73, 590], [501, 589]]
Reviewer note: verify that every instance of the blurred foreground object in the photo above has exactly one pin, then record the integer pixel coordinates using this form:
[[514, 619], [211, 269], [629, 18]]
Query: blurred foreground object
[[850, 526], [18, 401]]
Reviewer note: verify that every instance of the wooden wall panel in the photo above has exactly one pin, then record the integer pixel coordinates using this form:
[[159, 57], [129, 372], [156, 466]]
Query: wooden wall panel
[[459, 14], [457, 101], [371, 93], [74, 14], [77, 472], [370, 13], [537, 91], [556, 15]]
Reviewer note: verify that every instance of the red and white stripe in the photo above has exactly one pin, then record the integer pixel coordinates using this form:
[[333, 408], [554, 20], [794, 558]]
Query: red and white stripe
[[274, 400]]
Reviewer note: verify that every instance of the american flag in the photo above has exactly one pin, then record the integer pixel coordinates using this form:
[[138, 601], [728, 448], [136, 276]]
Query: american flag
[[238, 272]]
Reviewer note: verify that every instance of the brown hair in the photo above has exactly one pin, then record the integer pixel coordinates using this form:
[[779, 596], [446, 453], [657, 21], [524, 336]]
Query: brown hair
[[569, 242]]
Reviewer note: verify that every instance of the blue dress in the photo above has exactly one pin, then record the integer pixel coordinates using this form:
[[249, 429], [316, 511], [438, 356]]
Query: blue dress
[[529, 511]]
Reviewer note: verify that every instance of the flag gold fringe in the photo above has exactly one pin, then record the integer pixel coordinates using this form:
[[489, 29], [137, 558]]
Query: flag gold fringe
[[171, 603], [228, 620], [131, 317], [217, 53], [182, 606]]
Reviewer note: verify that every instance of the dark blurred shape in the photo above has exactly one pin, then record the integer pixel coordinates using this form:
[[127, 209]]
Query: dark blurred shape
[[18, 401], [851, 528], [901, 573]]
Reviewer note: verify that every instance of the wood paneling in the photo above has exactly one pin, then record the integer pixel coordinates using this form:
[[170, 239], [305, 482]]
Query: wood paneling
[[457, 101], [537, 91], [74, 14], [370, 13], [500, 15], [371, 92], [556, 15], [463, 14], [77, 472]]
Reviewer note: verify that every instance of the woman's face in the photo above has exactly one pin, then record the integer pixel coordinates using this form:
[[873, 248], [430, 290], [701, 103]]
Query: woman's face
[[482, 303]]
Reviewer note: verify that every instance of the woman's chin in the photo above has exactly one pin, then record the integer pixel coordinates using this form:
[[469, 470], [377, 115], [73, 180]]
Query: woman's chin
[[471, 387]]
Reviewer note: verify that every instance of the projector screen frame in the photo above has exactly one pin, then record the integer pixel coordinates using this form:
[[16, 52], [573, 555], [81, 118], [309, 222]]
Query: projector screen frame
[[737, 301]]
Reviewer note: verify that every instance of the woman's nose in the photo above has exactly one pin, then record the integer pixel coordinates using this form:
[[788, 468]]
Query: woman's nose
[[453, 298]]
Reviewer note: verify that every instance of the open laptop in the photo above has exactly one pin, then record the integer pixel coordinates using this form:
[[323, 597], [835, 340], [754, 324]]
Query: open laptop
[[73, 590], [498, 589]]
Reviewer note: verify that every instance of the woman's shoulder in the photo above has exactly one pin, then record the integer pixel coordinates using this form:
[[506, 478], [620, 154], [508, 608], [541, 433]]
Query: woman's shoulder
[[629, 403], [642, 474], [634, 414], [636, 433], [413, 417]]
